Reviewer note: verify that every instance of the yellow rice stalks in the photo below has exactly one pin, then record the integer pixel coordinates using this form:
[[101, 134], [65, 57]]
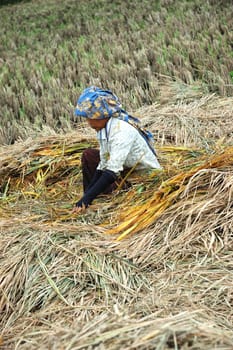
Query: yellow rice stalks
[[138, 218]]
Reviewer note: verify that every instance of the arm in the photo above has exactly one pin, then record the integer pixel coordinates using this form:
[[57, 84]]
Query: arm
[[107, 178], [95, 178]]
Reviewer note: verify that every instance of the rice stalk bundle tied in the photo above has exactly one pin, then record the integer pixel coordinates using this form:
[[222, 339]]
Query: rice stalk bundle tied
[[137, 218]]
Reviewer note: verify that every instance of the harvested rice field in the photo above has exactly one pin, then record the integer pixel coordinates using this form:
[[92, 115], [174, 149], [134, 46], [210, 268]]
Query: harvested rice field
[[147, 268]]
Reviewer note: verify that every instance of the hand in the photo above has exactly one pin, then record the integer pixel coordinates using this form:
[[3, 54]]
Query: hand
[[79, 210]]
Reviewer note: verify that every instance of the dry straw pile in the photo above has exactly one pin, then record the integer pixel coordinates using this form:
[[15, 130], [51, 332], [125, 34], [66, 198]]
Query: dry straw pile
[[74, 283]]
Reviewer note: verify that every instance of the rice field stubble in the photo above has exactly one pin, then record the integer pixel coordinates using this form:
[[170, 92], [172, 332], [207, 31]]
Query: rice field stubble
[[51, 50]]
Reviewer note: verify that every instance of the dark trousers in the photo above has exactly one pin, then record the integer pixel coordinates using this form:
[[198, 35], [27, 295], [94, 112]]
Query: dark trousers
[[90, 160]]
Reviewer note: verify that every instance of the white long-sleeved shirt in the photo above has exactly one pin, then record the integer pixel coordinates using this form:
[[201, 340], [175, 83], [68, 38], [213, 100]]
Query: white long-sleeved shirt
[[122, 146]]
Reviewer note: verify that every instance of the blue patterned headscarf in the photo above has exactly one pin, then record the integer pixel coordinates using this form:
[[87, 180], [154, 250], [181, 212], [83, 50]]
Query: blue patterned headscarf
[[95, 103]]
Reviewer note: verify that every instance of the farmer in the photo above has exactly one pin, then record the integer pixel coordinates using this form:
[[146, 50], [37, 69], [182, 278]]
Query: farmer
[[123, 145]]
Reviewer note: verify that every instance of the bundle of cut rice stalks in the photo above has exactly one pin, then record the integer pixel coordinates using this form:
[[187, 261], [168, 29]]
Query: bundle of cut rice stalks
[[136, 218], [47, 170], [198, 123], [24, 158], [37, 171]]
